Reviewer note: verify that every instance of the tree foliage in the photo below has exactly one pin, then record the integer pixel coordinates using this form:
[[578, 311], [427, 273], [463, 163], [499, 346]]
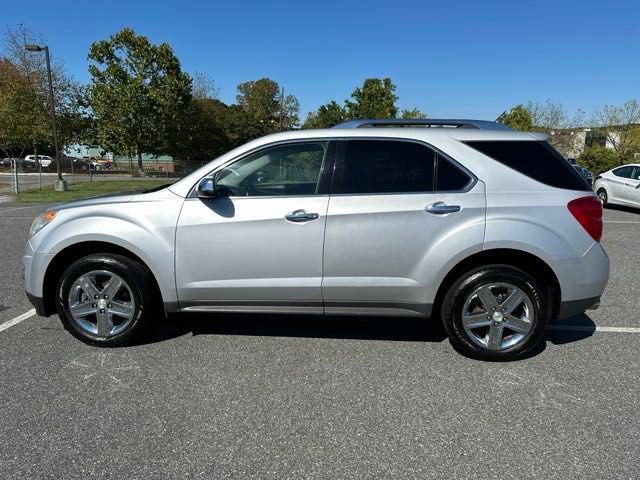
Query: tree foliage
[[23, 113], [517, 118], [376, 98], [599, 159], [25, 102], [621, 125], [262, 101], [139, 94], [326, 116], [412, 114]]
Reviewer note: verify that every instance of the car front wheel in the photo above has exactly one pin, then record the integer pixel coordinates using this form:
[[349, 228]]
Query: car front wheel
[[495, 312], [105, 299]]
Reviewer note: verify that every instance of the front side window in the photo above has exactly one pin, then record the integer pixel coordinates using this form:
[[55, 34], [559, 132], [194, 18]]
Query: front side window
[[383, 166], [624, 172], [292, 169]]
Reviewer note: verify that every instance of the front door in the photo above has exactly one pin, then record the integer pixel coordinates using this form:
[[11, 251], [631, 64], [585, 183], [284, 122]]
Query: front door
[[260, 245]]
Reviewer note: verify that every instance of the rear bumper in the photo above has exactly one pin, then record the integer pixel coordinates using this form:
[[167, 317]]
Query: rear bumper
[[576, 307]]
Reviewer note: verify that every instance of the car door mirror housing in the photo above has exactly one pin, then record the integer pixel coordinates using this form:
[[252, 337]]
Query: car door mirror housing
[[207, 188]]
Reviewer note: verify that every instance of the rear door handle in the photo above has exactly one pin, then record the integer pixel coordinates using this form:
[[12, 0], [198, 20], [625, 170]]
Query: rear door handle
[[301, 216], [441, 208]]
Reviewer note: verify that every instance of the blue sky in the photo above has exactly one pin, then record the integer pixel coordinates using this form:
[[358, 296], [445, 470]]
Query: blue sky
[[448, 58]]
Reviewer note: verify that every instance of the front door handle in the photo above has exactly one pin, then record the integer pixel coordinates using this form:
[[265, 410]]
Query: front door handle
[[441, 208], [301, 216]]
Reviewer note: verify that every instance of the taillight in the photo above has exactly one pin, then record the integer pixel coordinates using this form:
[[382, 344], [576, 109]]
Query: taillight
[[588, 212]]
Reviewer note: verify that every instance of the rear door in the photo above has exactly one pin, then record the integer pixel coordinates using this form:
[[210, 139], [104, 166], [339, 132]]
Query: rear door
[[634, 187], [398, 212], [618, 184]]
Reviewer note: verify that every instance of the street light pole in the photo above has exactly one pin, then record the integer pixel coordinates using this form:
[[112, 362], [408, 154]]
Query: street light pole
[[61, 184]]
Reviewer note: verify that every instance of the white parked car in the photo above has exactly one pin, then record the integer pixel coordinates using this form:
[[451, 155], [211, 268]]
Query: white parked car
[[33, 160], [620, 186]]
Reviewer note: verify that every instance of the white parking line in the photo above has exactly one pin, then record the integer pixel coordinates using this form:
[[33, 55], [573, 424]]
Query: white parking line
[[18, 319], [620, 221], [586, 328]]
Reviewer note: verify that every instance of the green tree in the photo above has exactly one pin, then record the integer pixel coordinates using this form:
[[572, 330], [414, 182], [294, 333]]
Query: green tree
[[599, 159], [30, 84], [139, 94], [23, 113], [517, 118], [262, 101], [413, 114], [374, 99], [326, 116], [621, 125]]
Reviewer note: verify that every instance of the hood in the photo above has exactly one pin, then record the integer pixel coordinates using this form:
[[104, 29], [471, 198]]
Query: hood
[[108, 198]]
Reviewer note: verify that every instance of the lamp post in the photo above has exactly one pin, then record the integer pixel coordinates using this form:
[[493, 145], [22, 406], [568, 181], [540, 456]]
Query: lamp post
[[61, 184]]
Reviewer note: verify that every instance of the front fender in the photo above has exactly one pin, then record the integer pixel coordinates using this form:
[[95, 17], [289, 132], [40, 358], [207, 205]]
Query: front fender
[[146, 229]]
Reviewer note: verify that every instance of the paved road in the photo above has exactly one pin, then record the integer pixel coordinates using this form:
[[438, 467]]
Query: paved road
[[264, 397]]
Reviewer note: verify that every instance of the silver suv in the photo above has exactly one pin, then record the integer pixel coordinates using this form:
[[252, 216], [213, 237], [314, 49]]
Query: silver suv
[[487, 229]]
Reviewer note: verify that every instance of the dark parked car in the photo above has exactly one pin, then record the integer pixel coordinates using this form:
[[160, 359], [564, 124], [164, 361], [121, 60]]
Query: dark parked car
[[586, 174]]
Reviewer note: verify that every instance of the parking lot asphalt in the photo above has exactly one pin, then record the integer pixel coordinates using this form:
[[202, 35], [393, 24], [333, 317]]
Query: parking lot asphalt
[[231, 396]]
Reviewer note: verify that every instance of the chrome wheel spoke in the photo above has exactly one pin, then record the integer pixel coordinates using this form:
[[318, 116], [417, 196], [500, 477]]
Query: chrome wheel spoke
[[518, 325], [476, 320], [82, 309], [86, 283], [494, 337], [122, 309], [512, 302], [112, 288], [105, 323], [487, 298]]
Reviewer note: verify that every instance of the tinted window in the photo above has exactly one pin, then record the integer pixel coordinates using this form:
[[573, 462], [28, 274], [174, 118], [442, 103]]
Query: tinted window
[[450, 177], [624, 172], [383, 166], [292, 169], [535, 159]]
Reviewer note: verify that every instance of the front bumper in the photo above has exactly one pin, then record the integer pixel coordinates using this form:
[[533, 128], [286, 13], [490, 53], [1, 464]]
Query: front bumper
[[38, 304]]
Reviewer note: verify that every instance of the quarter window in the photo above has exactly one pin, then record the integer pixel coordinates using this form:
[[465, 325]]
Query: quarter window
[[450, 178], [535, 159], [292, 169]]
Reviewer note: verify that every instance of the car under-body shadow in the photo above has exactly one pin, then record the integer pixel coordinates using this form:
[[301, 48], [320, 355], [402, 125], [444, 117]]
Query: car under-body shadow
[[339, 327]]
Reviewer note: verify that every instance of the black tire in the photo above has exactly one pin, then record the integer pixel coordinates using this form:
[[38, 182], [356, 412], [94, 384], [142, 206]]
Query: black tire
[[603, 196], [138, 278], [454, 301]]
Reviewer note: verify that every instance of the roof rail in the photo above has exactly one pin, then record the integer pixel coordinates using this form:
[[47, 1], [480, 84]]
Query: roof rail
[[424, 122]]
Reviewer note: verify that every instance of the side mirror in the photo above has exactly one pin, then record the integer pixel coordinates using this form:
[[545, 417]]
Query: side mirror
[[207, 188]]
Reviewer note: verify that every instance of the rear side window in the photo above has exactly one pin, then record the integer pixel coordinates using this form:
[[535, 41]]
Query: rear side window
[[624, 172], [382, 166], [535, 159]]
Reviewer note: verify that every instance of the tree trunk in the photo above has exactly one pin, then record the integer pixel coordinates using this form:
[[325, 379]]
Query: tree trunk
[[140, 169]]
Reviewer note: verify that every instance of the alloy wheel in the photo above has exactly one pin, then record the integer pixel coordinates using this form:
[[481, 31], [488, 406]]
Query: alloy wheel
[[101, 303], [498, 316]]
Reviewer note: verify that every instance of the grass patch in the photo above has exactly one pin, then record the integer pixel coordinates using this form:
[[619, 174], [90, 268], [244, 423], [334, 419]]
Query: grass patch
[[80, 190]]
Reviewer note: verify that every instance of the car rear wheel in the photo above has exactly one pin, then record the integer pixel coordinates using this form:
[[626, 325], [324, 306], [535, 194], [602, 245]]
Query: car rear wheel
[[495, 312], [602, 195], [105, 299]]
